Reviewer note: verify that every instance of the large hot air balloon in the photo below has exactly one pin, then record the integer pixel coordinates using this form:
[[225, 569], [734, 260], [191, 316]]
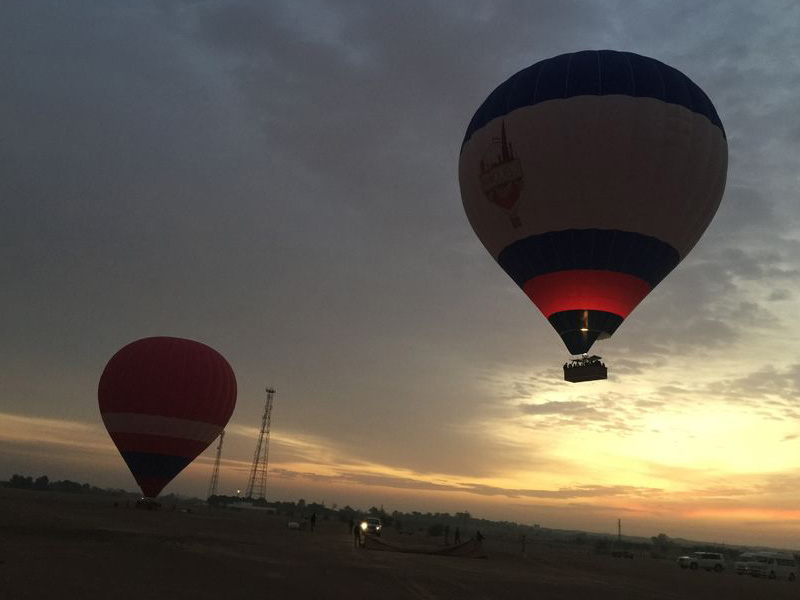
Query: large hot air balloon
[[588, 177], [163, 401]]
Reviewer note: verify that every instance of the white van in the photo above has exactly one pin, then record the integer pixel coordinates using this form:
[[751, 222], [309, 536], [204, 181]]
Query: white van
[[743, 562], [773, 565], [710, 561]]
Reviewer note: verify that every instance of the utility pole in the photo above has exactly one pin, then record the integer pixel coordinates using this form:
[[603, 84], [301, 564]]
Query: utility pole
[[212, 487], [257, 484]]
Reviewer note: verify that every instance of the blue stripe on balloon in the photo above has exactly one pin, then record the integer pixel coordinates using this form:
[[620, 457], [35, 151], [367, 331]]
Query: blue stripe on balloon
[[642, 256], [593, 73], [149, 465]]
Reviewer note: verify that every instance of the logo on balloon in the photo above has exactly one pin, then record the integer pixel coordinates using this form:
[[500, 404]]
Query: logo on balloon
[[501, 176]]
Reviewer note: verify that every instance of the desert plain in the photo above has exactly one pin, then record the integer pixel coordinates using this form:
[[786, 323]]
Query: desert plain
[[65, 546]]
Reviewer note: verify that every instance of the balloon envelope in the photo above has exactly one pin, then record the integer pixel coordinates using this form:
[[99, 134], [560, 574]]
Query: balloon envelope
[[163, 401], [588, 177]]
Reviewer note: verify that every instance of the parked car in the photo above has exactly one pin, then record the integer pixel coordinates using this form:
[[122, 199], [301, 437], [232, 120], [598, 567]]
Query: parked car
[[371, 526], [147, 504], [710, 561], [773, 565]]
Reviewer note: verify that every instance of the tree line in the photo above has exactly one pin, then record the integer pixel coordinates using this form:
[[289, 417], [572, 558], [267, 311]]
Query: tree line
[[415, 522], [44, 484]]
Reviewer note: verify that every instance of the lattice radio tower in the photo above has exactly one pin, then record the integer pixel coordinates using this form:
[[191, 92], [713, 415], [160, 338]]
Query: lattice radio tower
[[257, 486], [212, 487]]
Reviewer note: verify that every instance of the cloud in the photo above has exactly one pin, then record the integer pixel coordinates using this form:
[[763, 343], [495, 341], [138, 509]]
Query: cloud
[[761, 384], [59, 432], [777, 295], [381, 480], [569, 408], [584, 491], [619, 414]]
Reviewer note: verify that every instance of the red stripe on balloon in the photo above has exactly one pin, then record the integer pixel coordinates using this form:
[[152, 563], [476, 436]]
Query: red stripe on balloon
[[585, 289], [157, 444]]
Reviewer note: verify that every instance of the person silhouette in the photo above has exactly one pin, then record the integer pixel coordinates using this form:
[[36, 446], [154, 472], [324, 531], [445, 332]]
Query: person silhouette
[[478, 539]]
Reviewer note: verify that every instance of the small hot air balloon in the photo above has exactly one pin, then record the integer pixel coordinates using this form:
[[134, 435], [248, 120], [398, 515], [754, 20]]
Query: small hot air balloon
[[588, 177], [163, 401]]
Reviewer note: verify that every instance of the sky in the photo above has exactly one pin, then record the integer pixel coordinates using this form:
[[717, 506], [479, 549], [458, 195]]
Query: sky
[[279, 180]]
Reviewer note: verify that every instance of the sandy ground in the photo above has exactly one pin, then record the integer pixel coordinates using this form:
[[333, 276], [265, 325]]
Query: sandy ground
[[70, 546]]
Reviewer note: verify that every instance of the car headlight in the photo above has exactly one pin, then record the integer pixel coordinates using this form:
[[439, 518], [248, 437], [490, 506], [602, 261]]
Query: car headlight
[[378, 528], [364, 526]]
